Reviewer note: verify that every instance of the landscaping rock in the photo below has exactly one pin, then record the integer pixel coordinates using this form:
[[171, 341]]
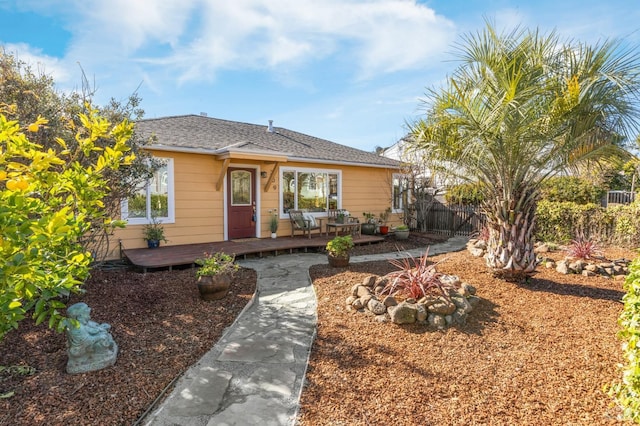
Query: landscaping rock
[[390, 301], [376, 307], [459, 317], [403, 313], [362, 291], [382, 318], [473, 300], [437, 311], [476, 252], [563, 267], [437, 321], [442, 307], [370, 281], [365, 299], [462, 304], [421, 313], [468, 288]]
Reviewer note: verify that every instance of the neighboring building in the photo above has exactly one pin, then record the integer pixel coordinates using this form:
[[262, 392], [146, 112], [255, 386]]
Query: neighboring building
[[223, 179]]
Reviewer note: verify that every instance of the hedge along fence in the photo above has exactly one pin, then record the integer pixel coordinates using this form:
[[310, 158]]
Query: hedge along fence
[[565, 221]]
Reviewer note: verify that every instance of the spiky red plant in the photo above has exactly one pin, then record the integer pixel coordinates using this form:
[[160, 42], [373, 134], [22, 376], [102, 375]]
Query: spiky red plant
[[582, 248], [415, 278]]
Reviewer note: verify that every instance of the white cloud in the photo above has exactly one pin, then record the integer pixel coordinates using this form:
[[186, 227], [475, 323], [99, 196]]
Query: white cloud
[[201, 37], [40, 63]]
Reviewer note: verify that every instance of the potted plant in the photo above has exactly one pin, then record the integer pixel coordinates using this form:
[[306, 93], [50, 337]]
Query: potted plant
[[402, 232], [153, 233], [369, 227], [273, 224], [214, 274], [338, 251], [341, 215], [384, 218]]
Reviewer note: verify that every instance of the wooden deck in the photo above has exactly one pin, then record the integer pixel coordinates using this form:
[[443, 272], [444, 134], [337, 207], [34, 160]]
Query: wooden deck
[[170, 256]]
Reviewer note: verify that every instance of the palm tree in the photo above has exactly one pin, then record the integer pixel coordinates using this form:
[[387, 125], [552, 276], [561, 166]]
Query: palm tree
[[522, 107]]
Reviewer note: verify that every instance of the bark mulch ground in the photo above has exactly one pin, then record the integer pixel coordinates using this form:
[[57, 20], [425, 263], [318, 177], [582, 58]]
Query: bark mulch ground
[[536, 353]]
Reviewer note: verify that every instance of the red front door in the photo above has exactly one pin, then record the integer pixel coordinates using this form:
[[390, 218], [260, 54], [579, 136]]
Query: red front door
[[241, 203]]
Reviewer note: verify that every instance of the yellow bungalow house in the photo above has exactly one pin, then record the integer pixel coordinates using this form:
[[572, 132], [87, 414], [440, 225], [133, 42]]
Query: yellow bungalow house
[[222, 180]]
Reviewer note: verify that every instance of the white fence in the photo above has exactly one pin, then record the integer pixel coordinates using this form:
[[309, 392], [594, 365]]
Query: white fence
[[619, 197]]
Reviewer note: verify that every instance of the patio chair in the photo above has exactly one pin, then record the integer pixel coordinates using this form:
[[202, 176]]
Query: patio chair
[[301, 223]]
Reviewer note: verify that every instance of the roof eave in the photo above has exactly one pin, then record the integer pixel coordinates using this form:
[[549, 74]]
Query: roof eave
[[225, 153]]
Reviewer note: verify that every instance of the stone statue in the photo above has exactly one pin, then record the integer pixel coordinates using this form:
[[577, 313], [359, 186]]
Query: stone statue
[[90, 346]]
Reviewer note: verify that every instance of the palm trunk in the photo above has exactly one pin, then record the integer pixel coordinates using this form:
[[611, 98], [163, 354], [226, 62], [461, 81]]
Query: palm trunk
[[510, 247]]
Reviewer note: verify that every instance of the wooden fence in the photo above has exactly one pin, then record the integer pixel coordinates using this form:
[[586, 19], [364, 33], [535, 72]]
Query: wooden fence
[[434, 216], [450, 219]]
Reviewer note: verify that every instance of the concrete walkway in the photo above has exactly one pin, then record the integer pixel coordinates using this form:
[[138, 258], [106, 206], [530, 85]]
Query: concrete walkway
[[255, 372]]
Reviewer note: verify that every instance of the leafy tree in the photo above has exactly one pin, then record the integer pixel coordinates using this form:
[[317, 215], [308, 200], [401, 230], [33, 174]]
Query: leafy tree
[[522, 107], [465, 193], [49, 199], [28, 95]]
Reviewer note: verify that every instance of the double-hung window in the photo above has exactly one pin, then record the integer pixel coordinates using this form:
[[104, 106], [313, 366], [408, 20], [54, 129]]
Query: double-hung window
[[153, 200], [401, 192], [313, 190]]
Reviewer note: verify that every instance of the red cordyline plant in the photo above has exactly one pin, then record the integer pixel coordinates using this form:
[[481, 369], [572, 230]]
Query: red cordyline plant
[[415, 278], [582, 248]]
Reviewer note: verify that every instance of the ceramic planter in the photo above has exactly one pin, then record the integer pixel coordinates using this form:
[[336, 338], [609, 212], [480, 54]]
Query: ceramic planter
[[153, 243], [214, 287], [368, 228], [402, 235], [338, 261]]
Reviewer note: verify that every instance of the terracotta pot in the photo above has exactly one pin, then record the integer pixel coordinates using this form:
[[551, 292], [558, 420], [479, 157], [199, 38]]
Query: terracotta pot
[[338, 261], [384, 229], [214, 287]]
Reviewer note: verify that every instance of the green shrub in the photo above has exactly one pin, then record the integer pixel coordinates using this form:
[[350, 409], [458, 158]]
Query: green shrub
[[573, 189], [466, 193], [563, 222], [566, 221], [627, 393], [48, 201]]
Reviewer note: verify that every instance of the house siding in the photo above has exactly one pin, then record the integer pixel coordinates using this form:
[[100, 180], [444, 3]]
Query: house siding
[[200, 207]]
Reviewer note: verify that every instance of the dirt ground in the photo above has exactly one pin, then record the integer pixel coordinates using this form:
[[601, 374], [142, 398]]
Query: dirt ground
[[537, 353]]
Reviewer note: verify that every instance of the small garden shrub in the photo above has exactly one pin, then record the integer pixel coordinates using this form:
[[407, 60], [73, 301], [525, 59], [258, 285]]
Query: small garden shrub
[[627, 393]]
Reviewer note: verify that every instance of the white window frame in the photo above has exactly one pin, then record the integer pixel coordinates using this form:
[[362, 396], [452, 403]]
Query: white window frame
[[297, 170], [401, 177], [170, 200]]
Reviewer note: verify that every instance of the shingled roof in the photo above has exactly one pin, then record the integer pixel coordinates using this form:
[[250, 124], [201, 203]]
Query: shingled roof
[[201, 134]]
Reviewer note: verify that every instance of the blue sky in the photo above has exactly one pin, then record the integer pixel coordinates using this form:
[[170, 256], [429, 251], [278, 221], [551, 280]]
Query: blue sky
[[350, 71]]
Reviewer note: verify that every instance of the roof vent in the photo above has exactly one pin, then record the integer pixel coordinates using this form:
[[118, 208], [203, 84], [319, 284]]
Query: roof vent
[[270, 128], [204, 114]]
